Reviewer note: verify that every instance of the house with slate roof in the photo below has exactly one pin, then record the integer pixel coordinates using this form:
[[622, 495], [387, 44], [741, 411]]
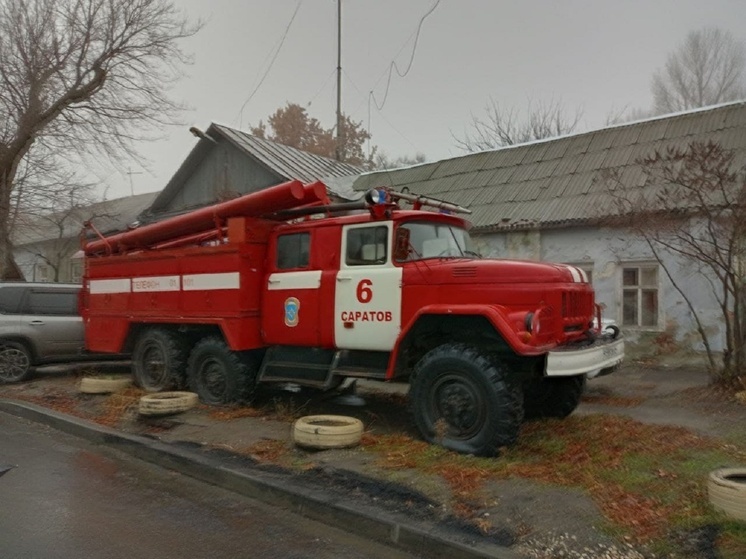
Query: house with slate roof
[[226, 163], [548, 200]]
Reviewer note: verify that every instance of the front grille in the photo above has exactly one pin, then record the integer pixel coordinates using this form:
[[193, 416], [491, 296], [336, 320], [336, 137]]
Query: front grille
[[577, 311], [576, 304]]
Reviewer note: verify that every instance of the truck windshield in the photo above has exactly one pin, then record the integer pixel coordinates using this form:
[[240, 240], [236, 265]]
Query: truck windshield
[[419, 240]]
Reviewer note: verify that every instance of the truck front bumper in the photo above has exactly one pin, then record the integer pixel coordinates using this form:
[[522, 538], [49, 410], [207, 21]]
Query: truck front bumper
[[601, 357]]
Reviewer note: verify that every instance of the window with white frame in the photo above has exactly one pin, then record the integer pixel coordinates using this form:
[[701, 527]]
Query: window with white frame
[[42, 273], [76, 271], [640, 295]]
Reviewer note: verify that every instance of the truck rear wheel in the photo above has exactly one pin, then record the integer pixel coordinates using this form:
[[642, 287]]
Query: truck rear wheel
[[158, 360], [462, 400], [552, 397], [217, 374]]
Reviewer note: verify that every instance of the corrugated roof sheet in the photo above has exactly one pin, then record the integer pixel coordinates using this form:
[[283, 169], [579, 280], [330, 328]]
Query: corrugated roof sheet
[[288, 162], [284, 161], [564, 180]]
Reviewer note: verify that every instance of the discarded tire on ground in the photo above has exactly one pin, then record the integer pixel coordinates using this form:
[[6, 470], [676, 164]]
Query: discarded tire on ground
[[166, 403], [727, 490], [327, 431], [103, 385]]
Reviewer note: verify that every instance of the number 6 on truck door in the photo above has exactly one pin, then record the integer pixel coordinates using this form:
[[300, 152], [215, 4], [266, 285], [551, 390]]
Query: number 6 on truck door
[[367, 300]]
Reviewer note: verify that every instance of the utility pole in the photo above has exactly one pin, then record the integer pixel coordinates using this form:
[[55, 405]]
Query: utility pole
[[338, 151]]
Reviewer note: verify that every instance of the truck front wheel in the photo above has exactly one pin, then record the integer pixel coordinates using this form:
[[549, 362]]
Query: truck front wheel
[[552, 397], [158, 360], [462, 400], [217, 374]]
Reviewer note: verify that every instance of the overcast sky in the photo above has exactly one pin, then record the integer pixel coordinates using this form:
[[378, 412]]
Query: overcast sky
[[597, 55]]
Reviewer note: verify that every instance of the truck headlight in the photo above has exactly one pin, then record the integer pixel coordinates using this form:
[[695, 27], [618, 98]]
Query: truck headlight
[[528, 322]]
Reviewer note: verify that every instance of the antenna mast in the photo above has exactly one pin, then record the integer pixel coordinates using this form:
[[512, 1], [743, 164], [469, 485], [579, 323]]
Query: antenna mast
[[338, 151]]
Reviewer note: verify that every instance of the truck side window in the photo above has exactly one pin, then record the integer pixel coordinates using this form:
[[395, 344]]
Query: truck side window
[[293, 251], [366, 246]]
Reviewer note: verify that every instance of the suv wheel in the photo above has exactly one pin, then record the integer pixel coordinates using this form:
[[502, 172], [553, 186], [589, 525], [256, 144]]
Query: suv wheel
[[15, 362]]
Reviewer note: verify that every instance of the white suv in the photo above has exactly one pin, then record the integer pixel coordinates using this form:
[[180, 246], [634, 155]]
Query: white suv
[[39, 323]]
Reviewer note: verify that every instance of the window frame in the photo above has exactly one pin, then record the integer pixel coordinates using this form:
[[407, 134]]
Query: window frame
[[378, 261], [76, 270], [31, 294], [299, 265], [40, 277], [639, 288]]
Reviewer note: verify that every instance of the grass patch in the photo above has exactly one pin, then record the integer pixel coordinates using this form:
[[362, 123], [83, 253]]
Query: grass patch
[[648, 480]]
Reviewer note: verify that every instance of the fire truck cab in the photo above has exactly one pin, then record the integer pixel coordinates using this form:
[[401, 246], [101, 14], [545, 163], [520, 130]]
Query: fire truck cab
[[281, 286]]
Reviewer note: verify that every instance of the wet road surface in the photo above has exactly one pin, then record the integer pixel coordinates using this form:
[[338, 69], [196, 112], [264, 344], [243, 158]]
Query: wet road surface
[[69, 499]]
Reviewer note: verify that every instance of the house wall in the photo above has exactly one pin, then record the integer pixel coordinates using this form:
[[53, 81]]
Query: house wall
[[223, 173], [606, 252], [34, 267]]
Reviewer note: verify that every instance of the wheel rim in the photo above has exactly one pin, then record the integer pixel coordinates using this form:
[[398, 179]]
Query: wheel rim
[[460, 404], [153, 366], [211, 377], [14, 363]]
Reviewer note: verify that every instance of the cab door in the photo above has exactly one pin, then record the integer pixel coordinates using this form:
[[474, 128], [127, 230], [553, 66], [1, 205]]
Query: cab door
[[290, 303], [367, 299]]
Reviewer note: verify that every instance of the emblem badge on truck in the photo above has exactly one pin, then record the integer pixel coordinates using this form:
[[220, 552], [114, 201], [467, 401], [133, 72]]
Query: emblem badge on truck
[[292, 306]]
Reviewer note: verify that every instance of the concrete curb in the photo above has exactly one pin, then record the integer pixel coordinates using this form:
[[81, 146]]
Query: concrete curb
[[309, 502]]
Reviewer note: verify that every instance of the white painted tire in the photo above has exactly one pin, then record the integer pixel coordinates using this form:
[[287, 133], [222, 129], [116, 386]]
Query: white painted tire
[[166, 403], [103, 385], [727, 490], [327, 431]]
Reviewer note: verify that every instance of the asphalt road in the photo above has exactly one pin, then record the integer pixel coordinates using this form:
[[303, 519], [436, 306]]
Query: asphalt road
[[69, 499]]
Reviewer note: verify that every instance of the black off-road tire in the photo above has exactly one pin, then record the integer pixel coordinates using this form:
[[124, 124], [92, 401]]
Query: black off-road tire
[[218, 374], [15, 361], [462, 399], [552, 397], [159, 360]]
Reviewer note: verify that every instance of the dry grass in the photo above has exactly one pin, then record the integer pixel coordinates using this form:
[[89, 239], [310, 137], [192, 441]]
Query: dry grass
[[232, 412], [615, 401], [267, 450], [646, 479], [119, 405]]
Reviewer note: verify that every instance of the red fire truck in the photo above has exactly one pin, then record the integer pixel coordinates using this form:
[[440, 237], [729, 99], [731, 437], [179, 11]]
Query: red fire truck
[[280, 286]]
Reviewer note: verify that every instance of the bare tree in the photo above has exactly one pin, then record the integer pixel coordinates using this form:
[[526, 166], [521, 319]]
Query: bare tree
[[709, 67], [82, 78], [501, 126], [382, 161], [50, 228], [693, 208]]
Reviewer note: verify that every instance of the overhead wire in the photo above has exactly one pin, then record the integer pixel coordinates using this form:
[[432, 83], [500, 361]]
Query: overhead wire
[[362, 101], [393, 66], [272, 62]]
